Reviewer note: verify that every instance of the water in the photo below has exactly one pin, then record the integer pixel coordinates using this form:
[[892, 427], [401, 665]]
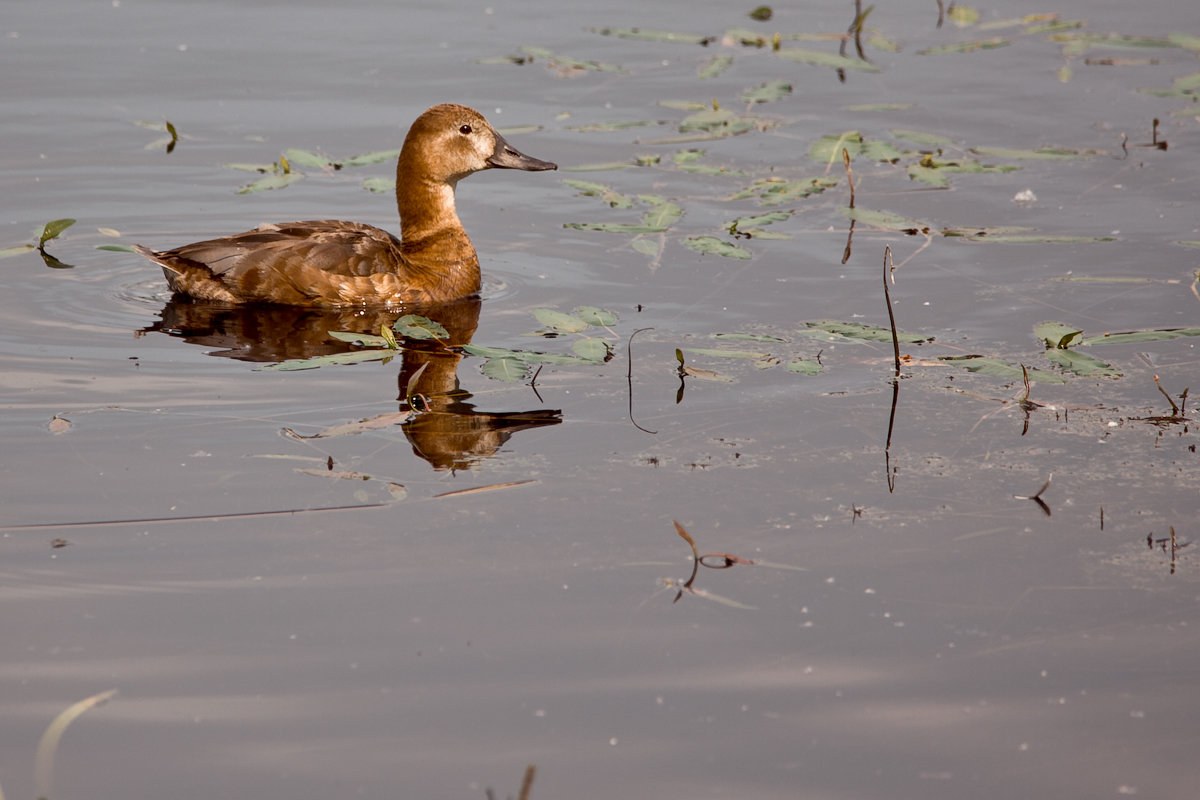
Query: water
[[912, 627]]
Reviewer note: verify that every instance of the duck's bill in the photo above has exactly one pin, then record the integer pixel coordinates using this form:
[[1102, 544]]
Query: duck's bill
[[508, 157]]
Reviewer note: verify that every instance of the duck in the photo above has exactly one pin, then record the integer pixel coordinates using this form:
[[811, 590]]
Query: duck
[[334, 263]]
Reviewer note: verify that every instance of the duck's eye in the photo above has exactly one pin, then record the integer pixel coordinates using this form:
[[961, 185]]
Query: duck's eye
[[465, 129]]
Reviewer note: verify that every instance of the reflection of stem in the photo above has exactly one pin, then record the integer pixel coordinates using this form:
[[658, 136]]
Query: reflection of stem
[[888, 271], [44, 771], [849, 174], [887, 448], [629, 378], [695, 559]]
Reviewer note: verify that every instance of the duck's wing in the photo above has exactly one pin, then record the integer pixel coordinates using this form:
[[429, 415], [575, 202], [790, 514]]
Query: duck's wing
[[298, 263]]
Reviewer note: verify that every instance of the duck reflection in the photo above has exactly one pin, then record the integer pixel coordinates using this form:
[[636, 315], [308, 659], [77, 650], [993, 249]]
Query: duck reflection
[[449, 432]]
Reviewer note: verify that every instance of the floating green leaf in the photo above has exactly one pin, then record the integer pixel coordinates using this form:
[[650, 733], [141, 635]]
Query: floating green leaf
[[705, 374], [1040, 239], [308, 159], [271, 182], [379, 185], [881, 106], [612, 227], [828, 149], [928, 176], [962, 16], [361, 339], [662, 216], [714, 66], [762, 13], [605, 193], [998, 368], [965, 47], [600, 317], [768, 92], [1138, 337], [371, 158], [777, 191], [119, 248], [1184, 40], [743, 223], [653, 35], [415, 326], [822, 59], [52, 230], [870, 333], [568, 323], [804, 366], [8, 252], [1039, 154], [509, 370], [243, 167], [885, 220], [1056, 334], [355, 357], [591, 349], [922, 138], [1081, 364], [711, 245], [565, 66], [599, 127], [717, 353], [524, 356], [750, 337]]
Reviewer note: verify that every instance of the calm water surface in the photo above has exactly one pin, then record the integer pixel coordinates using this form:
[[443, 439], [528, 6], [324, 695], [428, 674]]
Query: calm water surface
[[911, 627]]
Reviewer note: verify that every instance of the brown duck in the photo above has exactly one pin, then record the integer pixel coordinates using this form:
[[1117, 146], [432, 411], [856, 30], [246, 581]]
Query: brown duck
[[336, 263]]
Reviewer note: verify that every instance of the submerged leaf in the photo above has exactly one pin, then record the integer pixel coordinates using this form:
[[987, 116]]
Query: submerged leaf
[[711, 245], [714, 66]]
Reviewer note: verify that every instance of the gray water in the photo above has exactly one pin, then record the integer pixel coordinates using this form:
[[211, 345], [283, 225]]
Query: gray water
[[912, 626]]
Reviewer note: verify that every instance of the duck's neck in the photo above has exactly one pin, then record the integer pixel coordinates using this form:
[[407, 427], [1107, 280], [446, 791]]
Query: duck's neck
[[428, 219]]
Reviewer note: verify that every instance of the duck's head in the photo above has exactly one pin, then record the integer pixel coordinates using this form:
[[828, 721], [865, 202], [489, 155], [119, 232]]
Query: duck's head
[[449, 142]]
